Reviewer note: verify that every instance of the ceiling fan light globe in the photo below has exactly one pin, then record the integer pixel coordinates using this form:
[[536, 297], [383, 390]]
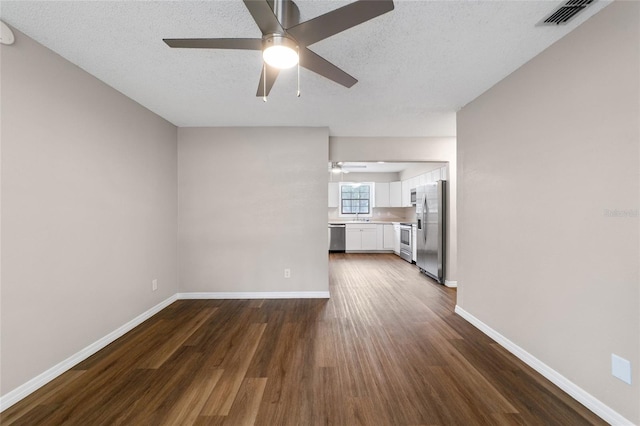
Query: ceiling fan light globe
[[279, 56]]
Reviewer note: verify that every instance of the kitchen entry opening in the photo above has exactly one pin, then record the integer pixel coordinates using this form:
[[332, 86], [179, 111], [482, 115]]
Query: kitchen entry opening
[[356, 199]]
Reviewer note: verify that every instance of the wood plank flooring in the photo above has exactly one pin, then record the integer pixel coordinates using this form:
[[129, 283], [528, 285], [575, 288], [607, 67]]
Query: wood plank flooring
[[386, 349]]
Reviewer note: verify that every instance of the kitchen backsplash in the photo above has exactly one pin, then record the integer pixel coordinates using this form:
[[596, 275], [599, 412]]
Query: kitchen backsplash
[[391, 214]]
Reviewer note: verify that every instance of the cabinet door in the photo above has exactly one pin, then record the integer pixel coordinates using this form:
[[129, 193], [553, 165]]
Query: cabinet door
[[388, 237], [381, 194], [406, 194], [414, 182], [396, 239], [379, 237], [369, 239], [353, 241], [395, 194], [334, 195]]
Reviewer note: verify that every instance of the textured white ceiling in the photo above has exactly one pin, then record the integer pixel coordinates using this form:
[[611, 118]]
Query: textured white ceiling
[[416, 65]]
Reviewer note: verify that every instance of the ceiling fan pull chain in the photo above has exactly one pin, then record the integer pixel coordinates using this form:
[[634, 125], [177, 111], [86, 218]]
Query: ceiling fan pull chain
[[298, 49], [264, 82]]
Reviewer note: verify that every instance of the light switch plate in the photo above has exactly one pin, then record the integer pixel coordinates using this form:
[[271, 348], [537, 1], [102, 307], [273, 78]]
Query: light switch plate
[[621, 368]]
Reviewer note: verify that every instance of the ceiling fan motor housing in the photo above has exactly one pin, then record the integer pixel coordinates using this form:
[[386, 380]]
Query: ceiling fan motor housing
[[286, 11], [279, 40]]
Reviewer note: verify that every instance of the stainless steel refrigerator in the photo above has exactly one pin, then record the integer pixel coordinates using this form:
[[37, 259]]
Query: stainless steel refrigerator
[[431, 214]]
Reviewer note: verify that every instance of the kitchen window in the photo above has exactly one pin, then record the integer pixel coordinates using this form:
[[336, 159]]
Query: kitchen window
[[356, 199]]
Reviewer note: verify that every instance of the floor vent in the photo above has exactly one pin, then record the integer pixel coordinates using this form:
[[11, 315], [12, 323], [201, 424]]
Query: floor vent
[[566, 12]]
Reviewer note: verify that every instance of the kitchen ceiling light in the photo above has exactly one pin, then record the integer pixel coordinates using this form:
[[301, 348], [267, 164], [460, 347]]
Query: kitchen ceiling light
[[280, 52], [337, 168]]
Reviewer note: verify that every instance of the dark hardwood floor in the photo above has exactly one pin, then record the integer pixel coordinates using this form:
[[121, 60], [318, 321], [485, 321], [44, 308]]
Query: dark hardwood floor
[[386, 349]]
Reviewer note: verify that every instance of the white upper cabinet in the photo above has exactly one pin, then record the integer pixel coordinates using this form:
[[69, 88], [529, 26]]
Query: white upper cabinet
[[334, 195], [395, 194], [406, 194], [382, 195]]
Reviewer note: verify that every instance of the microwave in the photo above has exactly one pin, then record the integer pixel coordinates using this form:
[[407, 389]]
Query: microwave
[[413, 197]]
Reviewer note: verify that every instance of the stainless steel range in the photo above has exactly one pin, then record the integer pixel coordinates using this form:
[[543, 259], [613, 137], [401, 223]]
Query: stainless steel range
[[405, 242]]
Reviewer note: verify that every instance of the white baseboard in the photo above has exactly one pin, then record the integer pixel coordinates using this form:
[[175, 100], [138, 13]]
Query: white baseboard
[[576, 392], [37, 382], [257, 295], [451, 284]]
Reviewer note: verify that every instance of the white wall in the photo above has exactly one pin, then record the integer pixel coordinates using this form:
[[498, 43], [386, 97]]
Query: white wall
[[88, 210], [419, 169], [543, 155], [252, 202], [429, 149]]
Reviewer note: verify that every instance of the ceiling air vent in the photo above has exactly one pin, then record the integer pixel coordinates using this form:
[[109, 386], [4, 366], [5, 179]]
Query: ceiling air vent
[[566, 12]]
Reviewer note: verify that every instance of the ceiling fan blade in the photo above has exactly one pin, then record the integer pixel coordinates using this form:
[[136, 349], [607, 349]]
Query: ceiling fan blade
[[215, 43], [338, 20], [319, 65], [272, 74], [264, 16]]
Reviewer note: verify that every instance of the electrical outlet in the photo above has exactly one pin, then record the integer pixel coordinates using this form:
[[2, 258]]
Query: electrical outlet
[[621, 368], [287, 273], [154, 285]]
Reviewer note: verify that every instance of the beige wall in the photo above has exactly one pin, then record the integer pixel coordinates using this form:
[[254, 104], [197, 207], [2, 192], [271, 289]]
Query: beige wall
[[542, 156], [409, 149], [252, 202], [88, 210]]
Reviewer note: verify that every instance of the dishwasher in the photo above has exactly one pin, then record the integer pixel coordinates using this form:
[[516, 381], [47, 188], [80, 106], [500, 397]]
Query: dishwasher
[[337, 237]]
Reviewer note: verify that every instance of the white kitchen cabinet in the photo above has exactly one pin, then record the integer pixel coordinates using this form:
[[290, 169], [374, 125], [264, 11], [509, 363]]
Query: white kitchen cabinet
[[396, 238], [406, 194], [353, 239], [361, 237], [395, 194], [388, 240], [334, 195], [380, 237], [381, 194], [370, 238], [415, 182], [407, 186]]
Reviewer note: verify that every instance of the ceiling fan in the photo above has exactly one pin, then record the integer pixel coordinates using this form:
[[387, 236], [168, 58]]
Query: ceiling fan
[[285, 39]]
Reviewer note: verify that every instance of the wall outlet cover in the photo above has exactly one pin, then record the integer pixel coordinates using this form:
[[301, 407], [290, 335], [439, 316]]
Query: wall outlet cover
[[621, 368]]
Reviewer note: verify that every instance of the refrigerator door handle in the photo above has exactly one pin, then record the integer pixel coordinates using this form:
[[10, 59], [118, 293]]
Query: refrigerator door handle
[[424, 217]]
